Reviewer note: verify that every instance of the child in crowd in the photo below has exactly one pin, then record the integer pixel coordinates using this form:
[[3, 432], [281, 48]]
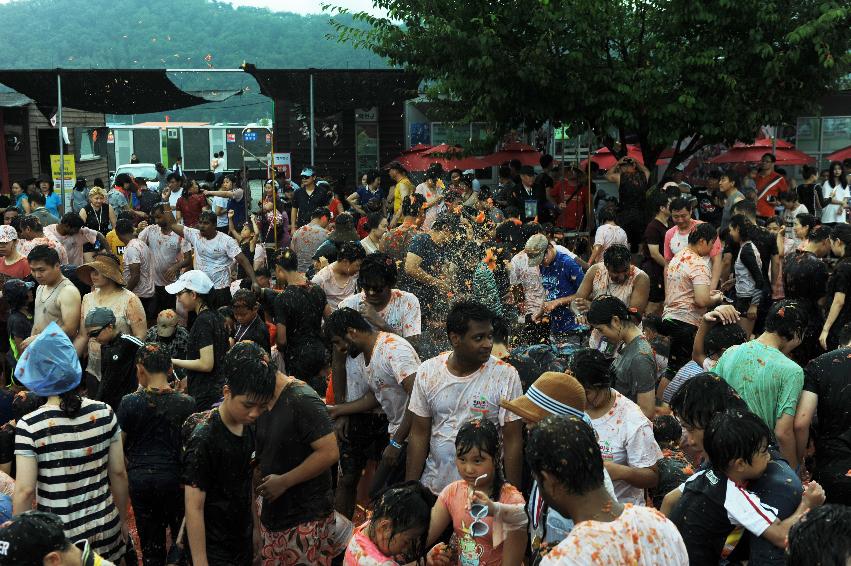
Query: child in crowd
[[247, 322], [673, 468], [486, 512], [650, 324], [396, 532], [717, 499]]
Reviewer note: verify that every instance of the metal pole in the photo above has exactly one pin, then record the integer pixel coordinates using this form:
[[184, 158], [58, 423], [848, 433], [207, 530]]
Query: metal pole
[[312, 135], [61, 140]]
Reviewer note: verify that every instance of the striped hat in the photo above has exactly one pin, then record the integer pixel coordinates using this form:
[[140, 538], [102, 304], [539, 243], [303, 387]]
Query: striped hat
[[552, 394]]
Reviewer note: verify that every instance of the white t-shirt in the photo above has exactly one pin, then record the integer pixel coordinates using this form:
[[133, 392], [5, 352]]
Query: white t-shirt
[[402, 314], [72, 244], [450, 401], [173, 196], [215, 256], [519, 273], [432, 212], [166, 249], [831, 212], [333, 291], [221, 219], [626, 437], [368, 246], [393, 360], [789, 222], [609, 234], [640, 537], [138, 252]]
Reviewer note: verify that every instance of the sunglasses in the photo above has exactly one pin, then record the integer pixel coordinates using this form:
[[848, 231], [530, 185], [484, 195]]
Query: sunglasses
[[96, 333], [478, 528]]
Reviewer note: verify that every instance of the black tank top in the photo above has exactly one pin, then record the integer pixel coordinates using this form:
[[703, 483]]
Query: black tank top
[[98, 220]]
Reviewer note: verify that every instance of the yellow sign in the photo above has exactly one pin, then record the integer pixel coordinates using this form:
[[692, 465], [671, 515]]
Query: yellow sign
[[70, 172]]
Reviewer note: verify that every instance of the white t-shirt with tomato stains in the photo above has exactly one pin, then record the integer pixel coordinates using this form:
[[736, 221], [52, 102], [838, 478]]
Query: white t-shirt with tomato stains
[[450, 401], [402, 313]]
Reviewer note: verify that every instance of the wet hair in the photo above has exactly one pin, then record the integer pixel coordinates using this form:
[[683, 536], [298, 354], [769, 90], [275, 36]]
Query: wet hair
[[680, 203], [607, 215], [819, 233], [37, 197], [702, 397], [657, 201], [321, 211], [592, 368], [617, 257], [723, 336], [407, 506], [787, 318], [154, 357], [546, 160], [244, 297], [606, 307], [343, 320], [808, 221], [501, 330], [462, 312], [172, 177], [44, 253], [31, 222], [747, 229], [746, 207], [398, 167], [769, 155], [373, 220], [71, 402], [351, 252], [372, 175], [808, 171], [286, 259], [484, 435], [734, 178], [788, 196], [249, 371], [207, 216], [124, 226], [732, 435], [566, 448], [666, 429], [703, 231], [126, 215], [842, 232], [504, 172], [121, 179], [445, 222], [226, 312], [651, 322], [822, 537], [378, 270], [158, 208], [412, 205], [72, 220]]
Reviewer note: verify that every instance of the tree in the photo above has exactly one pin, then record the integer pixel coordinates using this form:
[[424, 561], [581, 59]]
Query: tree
[[690, 71]]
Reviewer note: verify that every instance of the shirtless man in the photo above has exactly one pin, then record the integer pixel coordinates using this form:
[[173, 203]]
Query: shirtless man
[[56, 298]]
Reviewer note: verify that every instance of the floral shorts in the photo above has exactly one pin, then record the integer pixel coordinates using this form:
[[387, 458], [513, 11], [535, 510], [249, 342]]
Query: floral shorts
[[307, 544]]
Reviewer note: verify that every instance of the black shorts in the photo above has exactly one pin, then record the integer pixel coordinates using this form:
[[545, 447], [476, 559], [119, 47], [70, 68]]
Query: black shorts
[[366, 440]]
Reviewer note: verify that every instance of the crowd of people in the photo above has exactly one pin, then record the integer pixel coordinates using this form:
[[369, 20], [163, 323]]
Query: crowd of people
[[437, 372]]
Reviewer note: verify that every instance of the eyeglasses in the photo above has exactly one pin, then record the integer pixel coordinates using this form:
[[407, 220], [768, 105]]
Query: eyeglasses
[[478, 528], [96, 333]]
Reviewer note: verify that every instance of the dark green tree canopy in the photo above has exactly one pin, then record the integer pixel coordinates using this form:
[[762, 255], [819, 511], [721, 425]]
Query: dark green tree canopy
[[706, 71]]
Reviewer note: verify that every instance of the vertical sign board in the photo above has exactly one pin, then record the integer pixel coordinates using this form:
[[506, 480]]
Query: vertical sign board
[[283, 163], [70, 176]]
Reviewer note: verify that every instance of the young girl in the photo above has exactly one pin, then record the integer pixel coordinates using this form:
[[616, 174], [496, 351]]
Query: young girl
[[748, 271], [497, 534], [247, 240], [396, 531]]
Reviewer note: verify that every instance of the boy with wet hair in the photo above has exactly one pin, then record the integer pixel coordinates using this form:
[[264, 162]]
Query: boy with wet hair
[[715, 499]]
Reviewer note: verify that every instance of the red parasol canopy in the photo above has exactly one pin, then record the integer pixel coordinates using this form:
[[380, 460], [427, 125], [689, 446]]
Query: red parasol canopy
[[841, 155], [605, 159], [417, 148], [785, 153]]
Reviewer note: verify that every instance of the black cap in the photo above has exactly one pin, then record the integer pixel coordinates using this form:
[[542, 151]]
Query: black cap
[[15, 290], [527, 170], [29, 537]]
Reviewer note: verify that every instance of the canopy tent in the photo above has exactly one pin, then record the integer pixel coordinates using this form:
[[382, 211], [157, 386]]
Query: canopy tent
[[107, 91], [841, 155], [784, 151], [420, 157], [605, 159]]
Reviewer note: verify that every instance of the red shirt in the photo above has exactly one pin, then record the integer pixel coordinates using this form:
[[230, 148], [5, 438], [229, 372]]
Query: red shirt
[[191, 208], [763, 206], [18, 270], [571, 216]]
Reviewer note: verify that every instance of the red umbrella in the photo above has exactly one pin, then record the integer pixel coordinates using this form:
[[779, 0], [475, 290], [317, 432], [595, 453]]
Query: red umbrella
[[417, 148], [605, 159], [841, 155], [785, 153]]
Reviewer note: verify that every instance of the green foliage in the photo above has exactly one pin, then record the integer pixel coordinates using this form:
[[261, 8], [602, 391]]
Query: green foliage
[[129, 34], [705, 71]]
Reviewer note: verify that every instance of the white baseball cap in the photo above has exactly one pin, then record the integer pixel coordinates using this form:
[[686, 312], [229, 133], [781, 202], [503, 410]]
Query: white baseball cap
[[194, 280]]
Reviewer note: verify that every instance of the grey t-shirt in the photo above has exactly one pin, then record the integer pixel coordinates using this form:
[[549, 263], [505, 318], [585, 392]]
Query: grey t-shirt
[[635, 369]]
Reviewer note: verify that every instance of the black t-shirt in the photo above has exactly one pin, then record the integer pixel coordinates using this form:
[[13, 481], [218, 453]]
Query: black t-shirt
[[207, 330], [152, 420], [118, 369], [632, 192], [306, 204], [829, 377], [284, 435], [299, 308], [804, 277], [19, 325], [654, 234], [219, 463], [256, 331], [839, 282]]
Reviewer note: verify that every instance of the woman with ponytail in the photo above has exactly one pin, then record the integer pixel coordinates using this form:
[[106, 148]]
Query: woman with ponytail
[[634, 370], [838, 288], [748, 271]]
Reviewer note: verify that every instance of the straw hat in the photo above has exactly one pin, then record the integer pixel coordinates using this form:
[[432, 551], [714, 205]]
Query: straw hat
[[552, 394], [105, 266]]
